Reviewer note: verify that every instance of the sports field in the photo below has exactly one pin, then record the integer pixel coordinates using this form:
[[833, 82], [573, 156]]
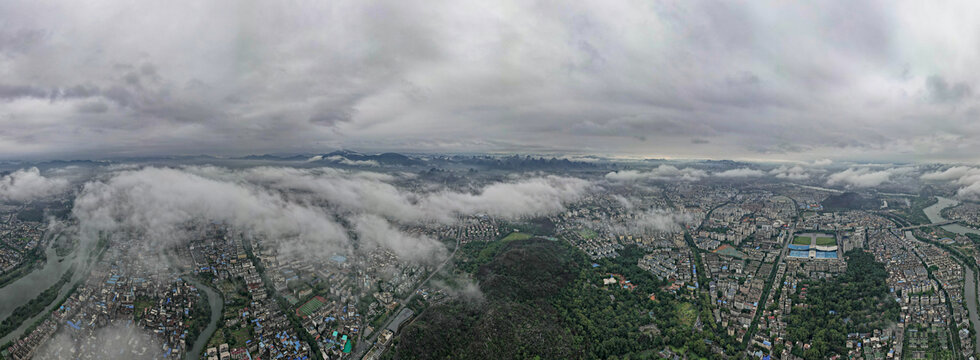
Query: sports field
[[826, 241], [310, 306], [801, 240]]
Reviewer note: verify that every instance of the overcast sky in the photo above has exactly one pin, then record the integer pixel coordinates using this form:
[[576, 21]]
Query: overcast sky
[[791, 80]]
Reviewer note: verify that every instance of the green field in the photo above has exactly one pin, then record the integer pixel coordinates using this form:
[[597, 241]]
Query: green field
[[686, 314], [801, 240], [235, 336], [728, 250], [140, 304], [587, 234], [310, 306], [826, 241], [516, 236]]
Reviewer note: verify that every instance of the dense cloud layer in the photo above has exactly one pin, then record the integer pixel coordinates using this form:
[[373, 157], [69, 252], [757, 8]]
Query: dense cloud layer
[[656, 220], [740, 173], [361, 191], [864, 177], [302, 210], [533, 197], [765, 79], [966, 177], [673, 173], [115, 342], [29, 184], [790, 173], [376, 232], [159, 203], [662, 172]]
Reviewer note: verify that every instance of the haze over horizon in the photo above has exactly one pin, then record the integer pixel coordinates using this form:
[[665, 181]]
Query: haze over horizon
[[768, 80]]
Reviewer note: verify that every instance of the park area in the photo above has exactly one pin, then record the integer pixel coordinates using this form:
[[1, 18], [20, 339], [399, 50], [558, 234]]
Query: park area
[[516, 236]]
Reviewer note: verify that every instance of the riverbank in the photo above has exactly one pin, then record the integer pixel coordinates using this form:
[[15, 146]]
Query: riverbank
[[29, 286], [34, 307], [970, 278], [216, 303], [32, 260]]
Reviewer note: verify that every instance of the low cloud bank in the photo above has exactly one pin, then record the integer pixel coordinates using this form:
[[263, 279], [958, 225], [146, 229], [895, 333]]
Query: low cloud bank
[[462, 288], [305, 212], [968, 179], [28, 184], [790, 173], [157, 204], [865, 177], [662, 220], [662, 172], [111, 343], [740, 173], [655, 220], [345, 161], [673, 173]]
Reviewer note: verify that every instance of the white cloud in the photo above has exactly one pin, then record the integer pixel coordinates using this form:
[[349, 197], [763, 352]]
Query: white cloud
[[158, 204], [959, 174], [114, 342], [968, 178], [345, 161], [462, 288], [299, 209], [740, 173], [790, 173], [656, 220], [374, 231], [29, 184], [532, 197], [372, 192], [662, 172], [864, 177]]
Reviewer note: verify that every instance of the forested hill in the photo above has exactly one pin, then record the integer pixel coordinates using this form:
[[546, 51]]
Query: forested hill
[[855, 302], [545, 299], [516, 322]]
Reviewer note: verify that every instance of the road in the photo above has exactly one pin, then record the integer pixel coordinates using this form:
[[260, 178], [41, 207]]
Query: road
[[364, 345], [943, 223]]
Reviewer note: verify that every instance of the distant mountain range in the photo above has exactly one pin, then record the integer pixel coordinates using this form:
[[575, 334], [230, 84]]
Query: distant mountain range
[[352, 158]]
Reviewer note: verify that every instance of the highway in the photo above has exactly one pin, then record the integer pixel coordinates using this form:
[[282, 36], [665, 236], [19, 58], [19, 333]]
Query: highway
[[364, 345]]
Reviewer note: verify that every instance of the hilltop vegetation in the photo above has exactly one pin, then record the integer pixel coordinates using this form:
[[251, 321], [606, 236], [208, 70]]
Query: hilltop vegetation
[[519, 280], [856, 301], [544, 299], [849, 201]]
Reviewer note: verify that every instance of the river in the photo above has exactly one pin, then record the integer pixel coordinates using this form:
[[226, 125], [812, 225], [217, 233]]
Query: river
[[933, 213], [216, 304], [970, 279], [31, 285]]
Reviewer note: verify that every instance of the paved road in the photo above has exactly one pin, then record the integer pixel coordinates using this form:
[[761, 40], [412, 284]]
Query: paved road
[[362, 345], [944, 223]]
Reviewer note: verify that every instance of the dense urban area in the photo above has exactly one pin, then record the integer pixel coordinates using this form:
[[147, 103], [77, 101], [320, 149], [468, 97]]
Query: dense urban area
[[535, 258]]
